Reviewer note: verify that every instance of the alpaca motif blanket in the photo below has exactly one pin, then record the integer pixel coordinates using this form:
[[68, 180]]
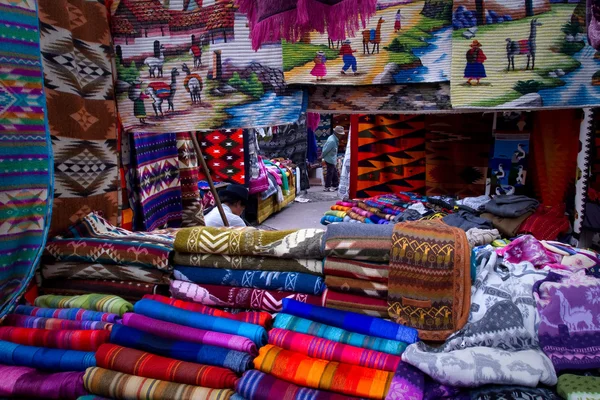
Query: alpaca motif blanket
[[519, 56], [404, 42], [181, 68], [302, 243], [499, 344], [260, 263]]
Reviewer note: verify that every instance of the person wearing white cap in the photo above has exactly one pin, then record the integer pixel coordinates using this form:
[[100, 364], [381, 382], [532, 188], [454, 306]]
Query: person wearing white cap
[[329, 155], [348, 57]]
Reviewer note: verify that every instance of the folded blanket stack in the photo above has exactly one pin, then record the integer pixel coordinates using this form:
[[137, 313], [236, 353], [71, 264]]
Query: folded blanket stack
[[356, 267], [319, 353], [508, 212], [248, 268], [94, 256]]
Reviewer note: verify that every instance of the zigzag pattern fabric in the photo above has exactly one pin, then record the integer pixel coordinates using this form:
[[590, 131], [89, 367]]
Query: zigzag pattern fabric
[[26, 178], [224, 152]]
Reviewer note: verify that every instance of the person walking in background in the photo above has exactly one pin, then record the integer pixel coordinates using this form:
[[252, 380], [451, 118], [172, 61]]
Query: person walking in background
[[320, 69], [348, 57], [398, 23], [329, 155], [475, 59]]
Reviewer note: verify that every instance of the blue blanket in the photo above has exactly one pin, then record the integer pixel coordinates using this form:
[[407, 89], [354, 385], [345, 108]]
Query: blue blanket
[[268, 280], [56, 360]]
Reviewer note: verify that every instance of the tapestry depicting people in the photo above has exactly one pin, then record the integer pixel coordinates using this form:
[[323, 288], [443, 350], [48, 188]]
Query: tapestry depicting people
[[406, 41], [185, 66], [523, 54]]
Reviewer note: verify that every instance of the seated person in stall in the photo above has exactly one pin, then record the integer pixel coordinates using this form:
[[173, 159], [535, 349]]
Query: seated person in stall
[[234, 199]]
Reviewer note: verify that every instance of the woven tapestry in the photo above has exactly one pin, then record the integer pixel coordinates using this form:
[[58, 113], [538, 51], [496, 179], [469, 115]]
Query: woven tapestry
[[402, 43], [391, 99], [26, 178], [388, 155], [191, 202], [458, 150], [225, 154], [324, 130], [158, 186], [522, 54], [76, 54], [185, 66]]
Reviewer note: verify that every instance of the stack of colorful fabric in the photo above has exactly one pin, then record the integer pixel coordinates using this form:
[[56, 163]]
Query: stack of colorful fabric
[[318, 353], [95, 256], [356, 267], [248, 268]]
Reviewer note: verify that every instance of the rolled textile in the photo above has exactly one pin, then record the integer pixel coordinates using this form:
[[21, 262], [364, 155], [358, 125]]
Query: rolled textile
[[359, 287], [256, 385], [374, 272], [139, 363], [304, 265], [286, 281], [96, 302], [302, 325], [78, 270], [73, 314], [93, 397], [302, 243], [338, 214], [180, 350], [118, 385], [43, 358], [253, 317], [57, 339], [330, 350], [330, 219], [337, 377], [366, 306], [165, 312], [340, 208], [127, 290], [352, 322], [359, 242], [235, 297], [173, 331], [24, 321], [28, 383]]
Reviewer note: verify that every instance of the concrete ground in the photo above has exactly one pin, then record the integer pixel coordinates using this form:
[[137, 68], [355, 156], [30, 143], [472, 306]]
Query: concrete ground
[[303, 215]]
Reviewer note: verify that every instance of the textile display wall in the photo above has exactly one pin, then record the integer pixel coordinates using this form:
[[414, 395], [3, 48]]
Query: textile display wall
[[388, 155], [403, 42], [182, 68], [26, 178], [76, 54], [506, 54]]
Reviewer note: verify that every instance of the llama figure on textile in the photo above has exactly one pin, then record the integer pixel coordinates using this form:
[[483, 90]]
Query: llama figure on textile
[[193, 84], [574, 316], [372, 36], [482, 362], [520, 366], [196, 52], [523, 47], [160, 91], [156, 64]]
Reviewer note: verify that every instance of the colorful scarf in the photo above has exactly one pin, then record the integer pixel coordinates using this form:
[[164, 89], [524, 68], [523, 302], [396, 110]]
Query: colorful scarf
[[301, 325], [55, 339], [330, 350], [368, 243], [95, 302], [26, 187], [286, 281], [113, 384], [54, 323], [78, 270], [165, 312], [139, 363], [173, 331], [180, 350], [46, 359], [357, 286], [302, 243], [29, 383], [320, 374], [74, 314], [364, 305], [373, 272]]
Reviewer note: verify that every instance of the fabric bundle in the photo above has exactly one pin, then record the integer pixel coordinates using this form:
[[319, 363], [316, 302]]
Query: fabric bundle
[[43, 358], [357, 286], [320, 374], [180, 350], [24, 321], [78, 270], [74, 314], [94, 302], [365, 305], [127, 290], [174, 331], [361, 270], [113, 384], [29, 383], [575, 387], [139, 363], [57, 339]]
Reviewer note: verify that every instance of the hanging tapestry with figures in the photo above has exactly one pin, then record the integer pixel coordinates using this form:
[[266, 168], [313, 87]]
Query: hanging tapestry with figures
[[186, 66], [404, 42], [76, 54], [387, 155], [523, 54]]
